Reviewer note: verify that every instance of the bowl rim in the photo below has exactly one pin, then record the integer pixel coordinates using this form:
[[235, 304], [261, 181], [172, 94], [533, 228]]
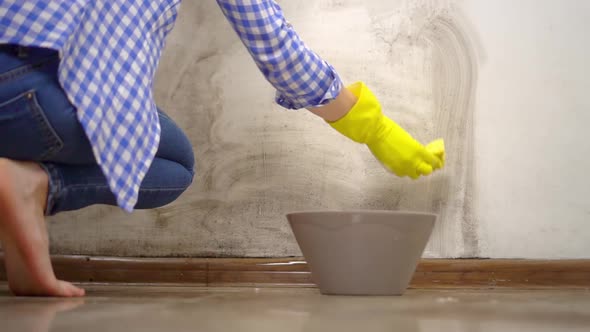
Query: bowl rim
[[370, 212]]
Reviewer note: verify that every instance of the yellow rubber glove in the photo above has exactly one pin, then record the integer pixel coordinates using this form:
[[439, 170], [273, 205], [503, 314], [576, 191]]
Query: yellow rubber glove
[[437, 148], [389, 143]]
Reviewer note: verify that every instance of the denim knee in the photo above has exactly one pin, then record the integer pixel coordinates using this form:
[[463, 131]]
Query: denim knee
[[165, 182], [174, 144]]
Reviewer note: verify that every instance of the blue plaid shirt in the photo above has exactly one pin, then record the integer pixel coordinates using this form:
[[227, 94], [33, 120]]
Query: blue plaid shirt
[[109, 53]]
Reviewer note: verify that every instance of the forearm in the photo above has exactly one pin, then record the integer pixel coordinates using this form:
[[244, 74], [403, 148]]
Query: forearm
[[337, 108]]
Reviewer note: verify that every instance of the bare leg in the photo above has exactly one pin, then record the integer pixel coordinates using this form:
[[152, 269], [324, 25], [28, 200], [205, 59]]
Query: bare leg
[[23, 195]]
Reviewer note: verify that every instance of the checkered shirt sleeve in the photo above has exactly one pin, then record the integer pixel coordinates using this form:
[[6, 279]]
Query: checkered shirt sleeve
[[301, 77]]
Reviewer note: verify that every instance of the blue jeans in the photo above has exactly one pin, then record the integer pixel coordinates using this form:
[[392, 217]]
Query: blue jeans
[[38, 123]]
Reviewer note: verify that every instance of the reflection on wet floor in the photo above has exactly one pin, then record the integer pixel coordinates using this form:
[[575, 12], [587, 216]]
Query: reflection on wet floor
[[150, 308]]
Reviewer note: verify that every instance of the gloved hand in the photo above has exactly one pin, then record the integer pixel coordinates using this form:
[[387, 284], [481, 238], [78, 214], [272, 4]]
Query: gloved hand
[[437, 148], [389, 143]]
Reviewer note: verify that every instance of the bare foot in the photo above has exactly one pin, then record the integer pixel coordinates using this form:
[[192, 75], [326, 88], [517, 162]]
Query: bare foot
[[23, 194]]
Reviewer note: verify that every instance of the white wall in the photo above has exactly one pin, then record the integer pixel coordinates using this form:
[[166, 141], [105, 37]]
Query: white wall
[[501, 81], [533, 145]]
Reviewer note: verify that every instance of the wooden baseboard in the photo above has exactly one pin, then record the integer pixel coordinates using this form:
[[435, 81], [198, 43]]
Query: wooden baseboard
[[431, 273]]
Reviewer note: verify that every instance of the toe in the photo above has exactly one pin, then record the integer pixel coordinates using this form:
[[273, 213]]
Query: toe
[[67, 289]]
